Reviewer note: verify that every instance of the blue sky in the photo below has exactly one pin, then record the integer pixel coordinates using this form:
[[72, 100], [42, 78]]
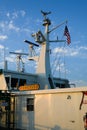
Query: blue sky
[[20, 18]]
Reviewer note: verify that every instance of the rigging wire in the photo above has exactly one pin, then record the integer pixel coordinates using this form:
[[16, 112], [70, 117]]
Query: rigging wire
[[64, 61], [57, 59]]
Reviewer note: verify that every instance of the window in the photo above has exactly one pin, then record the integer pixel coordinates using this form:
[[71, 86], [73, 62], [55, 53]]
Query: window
[[22, 82], [14, 82], [30, 104]]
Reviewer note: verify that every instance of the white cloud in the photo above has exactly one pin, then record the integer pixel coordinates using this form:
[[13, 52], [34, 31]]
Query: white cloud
[[1, 47], [10, 59], [1, 64], [10, 22], [7, 26], [80, 83], [11, 26], [2, 24], [8, 14], [73, 51], [14, 15], [83, 48], [3, 37], [22, 13]]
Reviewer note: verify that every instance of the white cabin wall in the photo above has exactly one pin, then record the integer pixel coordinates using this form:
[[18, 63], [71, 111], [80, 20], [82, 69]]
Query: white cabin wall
[[57, 112], [42, 112], [3, 85]]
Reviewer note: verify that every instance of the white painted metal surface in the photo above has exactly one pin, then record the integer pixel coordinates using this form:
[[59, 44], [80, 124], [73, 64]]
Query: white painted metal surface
[[3, 85], [53, 109]]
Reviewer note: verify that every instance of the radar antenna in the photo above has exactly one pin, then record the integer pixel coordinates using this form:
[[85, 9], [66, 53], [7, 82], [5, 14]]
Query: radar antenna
[[45, 13], [32, 53]]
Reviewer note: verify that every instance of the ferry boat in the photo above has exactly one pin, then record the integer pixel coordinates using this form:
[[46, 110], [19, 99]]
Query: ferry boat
[[40, 101]]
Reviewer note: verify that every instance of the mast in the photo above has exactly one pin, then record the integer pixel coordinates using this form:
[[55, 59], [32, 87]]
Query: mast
[[43, 69]]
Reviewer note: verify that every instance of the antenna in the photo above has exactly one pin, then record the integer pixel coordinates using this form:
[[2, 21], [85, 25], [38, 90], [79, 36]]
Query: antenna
[[31, 43], [31, 49], [19, 60], [45, 13]]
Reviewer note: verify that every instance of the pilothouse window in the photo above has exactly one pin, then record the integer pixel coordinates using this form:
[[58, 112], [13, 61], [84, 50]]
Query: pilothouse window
[[22, 82], [14, 82]]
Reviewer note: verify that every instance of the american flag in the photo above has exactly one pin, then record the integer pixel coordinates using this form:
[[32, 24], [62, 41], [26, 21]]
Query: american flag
[[66, 33]]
